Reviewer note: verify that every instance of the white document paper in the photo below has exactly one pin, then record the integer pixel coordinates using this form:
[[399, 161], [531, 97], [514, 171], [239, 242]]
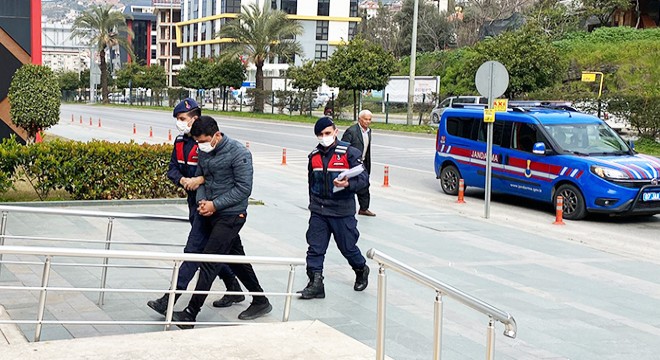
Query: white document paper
[[348, 174]]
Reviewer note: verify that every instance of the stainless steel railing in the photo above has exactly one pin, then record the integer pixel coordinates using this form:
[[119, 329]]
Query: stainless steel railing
[[111, 216], [493, 313], [176, 258]]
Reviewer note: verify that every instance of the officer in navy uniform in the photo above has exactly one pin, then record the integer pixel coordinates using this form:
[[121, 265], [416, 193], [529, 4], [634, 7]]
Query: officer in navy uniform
[[183, 165], [333, 213]]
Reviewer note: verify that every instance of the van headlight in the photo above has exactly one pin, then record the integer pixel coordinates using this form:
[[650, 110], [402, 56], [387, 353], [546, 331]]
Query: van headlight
[[609, 173]]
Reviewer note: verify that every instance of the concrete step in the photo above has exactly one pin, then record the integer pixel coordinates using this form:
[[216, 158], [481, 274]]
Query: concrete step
[[309, 339]]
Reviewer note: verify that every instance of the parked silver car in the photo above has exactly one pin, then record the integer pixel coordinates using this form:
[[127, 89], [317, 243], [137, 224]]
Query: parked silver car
[[436, 113]]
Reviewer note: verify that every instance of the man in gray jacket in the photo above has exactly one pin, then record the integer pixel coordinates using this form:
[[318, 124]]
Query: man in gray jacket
[[223, 199]]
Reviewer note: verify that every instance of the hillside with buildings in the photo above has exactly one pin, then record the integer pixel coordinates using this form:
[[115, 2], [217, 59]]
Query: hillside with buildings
[[67, 10]]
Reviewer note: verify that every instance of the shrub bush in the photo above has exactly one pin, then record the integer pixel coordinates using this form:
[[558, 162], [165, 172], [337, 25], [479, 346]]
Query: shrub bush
[[97, 170]]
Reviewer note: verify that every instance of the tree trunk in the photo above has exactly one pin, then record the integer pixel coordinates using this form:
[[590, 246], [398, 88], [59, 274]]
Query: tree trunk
[[104, 77], [354, 104], [258, 105]]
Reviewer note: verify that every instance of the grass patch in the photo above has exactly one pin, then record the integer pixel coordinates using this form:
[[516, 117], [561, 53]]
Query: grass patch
[[23, 191], [648, 146], [424, 129]]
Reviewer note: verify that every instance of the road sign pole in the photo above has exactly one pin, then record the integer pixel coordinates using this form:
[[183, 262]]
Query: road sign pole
[[489, 147]]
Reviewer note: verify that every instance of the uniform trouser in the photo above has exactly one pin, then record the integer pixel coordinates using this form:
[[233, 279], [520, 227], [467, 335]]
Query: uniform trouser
[[197, 239], [343, 229], [224, 240], [363, 198]]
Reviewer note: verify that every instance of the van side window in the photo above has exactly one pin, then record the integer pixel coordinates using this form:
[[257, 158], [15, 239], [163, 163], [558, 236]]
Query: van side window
[[524, 136], [460, 126], [498, 131]]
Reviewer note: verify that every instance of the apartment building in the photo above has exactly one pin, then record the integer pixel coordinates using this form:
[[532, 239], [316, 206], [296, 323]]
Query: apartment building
[[326, 24], [167, 54], [60, 50]]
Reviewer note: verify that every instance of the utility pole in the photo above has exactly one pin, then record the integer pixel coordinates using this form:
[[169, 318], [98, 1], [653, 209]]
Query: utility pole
[[413, 58]]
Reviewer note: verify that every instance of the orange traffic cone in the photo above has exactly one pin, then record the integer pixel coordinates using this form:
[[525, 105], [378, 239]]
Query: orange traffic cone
[[80, 119], [134, 129], [99, 122], [151, 132], [386, 178], [284, 156], [559, 216], [72, 118], [461, 191], [169, 135], [90, 121]]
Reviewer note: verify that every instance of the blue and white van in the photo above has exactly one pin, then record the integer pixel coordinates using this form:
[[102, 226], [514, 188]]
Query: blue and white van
[[540, 153]]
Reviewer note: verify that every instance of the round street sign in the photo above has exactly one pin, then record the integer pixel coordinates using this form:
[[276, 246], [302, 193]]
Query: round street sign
[[492, 79]]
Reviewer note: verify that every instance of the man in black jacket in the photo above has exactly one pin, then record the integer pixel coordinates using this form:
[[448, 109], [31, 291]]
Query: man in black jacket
[[359, 136], [226, 166], [332, 207]]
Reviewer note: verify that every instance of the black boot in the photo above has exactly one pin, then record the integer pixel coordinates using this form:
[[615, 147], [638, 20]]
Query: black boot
[[315, 288], [259, 307], [187, 315], [229, 300], [160, 305], [310, 276], [361, 278]]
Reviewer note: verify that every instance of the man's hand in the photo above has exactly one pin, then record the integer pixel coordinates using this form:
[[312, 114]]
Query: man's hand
[[194, 183], [206, 208], [184, 182], [341, 183]]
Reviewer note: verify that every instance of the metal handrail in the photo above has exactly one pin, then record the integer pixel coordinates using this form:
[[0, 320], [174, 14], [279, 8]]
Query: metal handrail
[[177, 258], [111, 216], [493, 313], [90, 213]]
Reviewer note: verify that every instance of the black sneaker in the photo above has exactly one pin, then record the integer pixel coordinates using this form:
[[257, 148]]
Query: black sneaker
[[255, 310], [159, 305], [228, 300], [185, 316]]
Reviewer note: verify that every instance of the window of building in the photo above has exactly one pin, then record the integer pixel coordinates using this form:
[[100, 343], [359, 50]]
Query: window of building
[[322, 30], [290, 6], [153, 26], [353, 9], [321, 52], [286, 59], [153, 40], [323, 8], [153, 53], [231, 7], [352, 29]]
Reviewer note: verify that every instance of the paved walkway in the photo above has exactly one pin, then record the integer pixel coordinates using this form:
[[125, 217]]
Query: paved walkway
[[570, 301]]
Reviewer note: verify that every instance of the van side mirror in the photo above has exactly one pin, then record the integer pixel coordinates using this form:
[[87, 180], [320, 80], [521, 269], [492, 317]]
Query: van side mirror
[[631, 144], [539, 148]]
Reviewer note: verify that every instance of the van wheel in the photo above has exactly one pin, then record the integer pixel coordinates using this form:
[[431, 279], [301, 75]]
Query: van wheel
[[574, 206], [449, 177]]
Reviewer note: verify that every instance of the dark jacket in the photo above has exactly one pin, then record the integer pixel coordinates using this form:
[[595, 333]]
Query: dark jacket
[[227, 172], [323, 167], [353, 135]]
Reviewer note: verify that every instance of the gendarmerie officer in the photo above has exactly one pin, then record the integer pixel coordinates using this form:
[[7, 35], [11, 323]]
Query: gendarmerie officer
[[333, 212]]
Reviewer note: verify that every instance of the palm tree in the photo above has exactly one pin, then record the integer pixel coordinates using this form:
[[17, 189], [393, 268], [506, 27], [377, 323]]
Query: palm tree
[[260, 34], [105, 28]]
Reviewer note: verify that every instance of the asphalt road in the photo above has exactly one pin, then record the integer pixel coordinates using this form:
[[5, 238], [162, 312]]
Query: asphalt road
[[410, 161]]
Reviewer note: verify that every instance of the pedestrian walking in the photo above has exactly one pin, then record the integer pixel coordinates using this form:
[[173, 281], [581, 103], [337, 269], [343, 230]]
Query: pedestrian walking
[[226, 166], [359, 136], [181, 171], [332, 207]]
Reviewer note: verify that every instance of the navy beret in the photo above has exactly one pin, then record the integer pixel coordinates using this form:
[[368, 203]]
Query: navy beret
[[322, 123], [186, 105]]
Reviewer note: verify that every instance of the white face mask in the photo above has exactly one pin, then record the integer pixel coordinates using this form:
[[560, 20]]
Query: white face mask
[[326, 141], [206, 147], [183, 127]]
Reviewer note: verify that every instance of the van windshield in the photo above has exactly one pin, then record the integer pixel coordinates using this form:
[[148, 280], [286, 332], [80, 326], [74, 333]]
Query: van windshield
[[588, 139]]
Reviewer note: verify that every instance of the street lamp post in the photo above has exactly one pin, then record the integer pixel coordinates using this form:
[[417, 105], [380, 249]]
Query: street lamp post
[[413, 58]]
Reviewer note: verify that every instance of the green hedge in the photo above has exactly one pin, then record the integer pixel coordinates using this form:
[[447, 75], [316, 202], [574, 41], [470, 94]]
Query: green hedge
[[98, 170]]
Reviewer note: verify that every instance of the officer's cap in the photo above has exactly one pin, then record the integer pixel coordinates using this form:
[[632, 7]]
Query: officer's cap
[[322, 123], [186, 105]]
